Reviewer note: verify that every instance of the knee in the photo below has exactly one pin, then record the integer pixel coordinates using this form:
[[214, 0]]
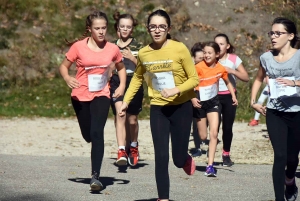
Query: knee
[[292, 160], [179, 164], [280, 157], [132, 122], [161, 157], [86, 136], [87, 139], [179, 161], [213, 134], [227, 130], [97, 136], [120, 120]]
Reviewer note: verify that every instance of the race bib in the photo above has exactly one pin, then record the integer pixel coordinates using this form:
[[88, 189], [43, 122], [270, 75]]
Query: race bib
[[278, 90], [163, 80], [208, 92], [97, 82], [222, 85]]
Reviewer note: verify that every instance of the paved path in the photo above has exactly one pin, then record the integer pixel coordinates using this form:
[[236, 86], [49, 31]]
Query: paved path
[[67, 178]]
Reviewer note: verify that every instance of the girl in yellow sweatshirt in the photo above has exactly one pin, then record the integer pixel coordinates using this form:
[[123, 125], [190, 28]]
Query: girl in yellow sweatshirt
[[169, 72]]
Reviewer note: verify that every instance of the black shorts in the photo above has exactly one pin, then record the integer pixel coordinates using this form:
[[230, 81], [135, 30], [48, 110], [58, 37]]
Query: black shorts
[[135, 106], [211, 105]]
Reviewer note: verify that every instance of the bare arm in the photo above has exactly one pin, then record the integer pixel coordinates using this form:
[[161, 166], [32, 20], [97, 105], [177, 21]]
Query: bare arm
[[261, 74], [122, 76], [240, 73], [64, 71]]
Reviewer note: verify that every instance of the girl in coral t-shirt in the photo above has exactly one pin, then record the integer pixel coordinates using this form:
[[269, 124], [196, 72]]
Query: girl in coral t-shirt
[[206, 105], [90, 91]]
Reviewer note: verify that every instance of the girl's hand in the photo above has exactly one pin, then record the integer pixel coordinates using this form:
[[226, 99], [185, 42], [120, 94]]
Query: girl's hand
[[72, 82], [122, 109], [260, 108], [127, 54], [196, 102], [285, 82], [229, 70], [166, 93], [118, 92], [235, 101]]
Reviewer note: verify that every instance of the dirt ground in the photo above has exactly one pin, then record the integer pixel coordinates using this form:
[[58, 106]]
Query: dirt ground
[[62, 137]]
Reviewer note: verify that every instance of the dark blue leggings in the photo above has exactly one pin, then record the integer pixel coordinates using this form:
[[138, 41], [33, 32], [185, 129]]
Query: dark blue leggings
[[92, 116], [284, 132], [165, 120]]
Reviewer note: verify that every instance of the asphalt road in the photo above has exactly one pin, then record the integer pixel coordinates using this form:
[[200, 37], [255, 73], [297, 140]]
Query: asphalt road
[[67, 178]]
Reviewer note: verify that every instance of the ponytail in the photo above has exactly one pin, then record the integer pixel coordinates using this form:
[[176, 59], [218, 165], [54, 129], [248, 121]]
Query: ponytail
[[88, 24]]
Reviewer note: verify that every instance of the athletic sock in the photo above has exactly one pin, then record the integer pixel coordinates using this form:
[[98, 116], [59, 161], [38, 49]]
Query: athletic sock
[[134, 144], [290, 182], [122, 147], [226, 153]]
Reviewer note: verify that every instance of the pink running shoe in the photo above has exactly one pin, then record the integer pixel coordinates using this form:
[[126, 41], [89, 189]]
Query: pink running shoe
[[189, 166], [253, 122]]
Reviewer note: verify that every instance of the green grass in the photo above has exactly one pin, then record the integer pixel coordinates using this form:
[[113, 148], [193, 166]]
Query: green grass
[[50, 98]]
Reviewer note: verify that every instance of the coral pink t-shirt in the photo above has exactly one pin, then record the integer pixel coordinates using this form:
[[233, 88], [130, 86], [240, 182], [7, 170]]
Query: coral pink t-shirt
[[90, 66]]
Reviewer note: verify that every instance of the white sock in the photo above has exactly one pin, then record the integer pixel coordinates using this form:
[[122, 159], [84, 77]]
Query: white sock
[[122, 147], [256, 116], [134, 144]]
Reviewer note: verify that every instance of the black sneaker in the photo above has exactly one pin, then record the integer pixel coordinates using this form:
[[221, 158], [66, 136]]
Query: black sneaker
[[227, 161], [291, 192], [95, 184]]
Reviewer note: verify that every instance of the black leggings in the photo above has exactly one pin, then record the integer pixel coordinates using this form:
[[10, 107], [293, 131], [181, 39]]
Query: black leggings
[[174, 119], [283, 129], [226, 115], [92, 116]]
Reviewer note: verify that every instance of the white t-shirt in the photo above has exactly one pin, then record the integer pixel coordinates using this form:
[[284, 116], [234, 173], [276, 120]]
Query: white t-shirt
[[232, 61]]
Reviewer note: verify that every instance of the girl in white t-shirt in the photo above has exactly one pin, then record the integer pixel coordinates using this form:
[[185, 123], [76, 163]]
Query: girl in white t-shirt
[[235, 69]]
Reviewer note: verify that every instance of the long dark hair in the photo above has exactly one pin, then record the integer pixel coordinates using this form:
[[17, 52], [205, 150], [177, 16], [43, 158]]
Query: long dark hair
[[231, 49], [163, 14], [88, 24], [290, 27]]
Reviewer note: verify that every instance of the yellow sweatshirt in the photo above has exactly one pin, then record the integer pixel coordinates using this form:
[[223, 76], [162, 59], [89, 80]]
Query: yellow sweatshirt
[[169, 67]]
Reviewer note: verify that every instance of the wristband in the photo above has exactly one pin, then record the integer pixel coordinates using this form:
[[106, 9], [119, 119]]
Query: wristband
[[294, 83]]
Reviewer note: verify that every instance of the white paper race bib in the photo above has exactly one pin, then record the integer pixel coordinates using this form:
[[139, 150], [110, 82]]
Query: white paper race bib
[[222, 85], [97, 82], [277, 90], [208, 92], [163, 80]]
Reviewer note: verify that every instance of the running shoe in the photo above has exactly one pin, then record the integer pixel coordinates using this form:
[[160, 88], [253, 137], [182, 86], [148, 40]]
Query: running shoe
[[95, 184], [133, 156], [291, 192], [227, 161], [210, 171], [253, 122], [196, 153], [122, 158], [189, 166]]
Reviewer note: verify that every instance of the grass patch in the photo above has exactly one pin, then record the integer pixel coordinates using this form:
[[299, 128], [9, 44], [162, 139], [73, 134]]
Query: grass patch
[[50, 98]]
